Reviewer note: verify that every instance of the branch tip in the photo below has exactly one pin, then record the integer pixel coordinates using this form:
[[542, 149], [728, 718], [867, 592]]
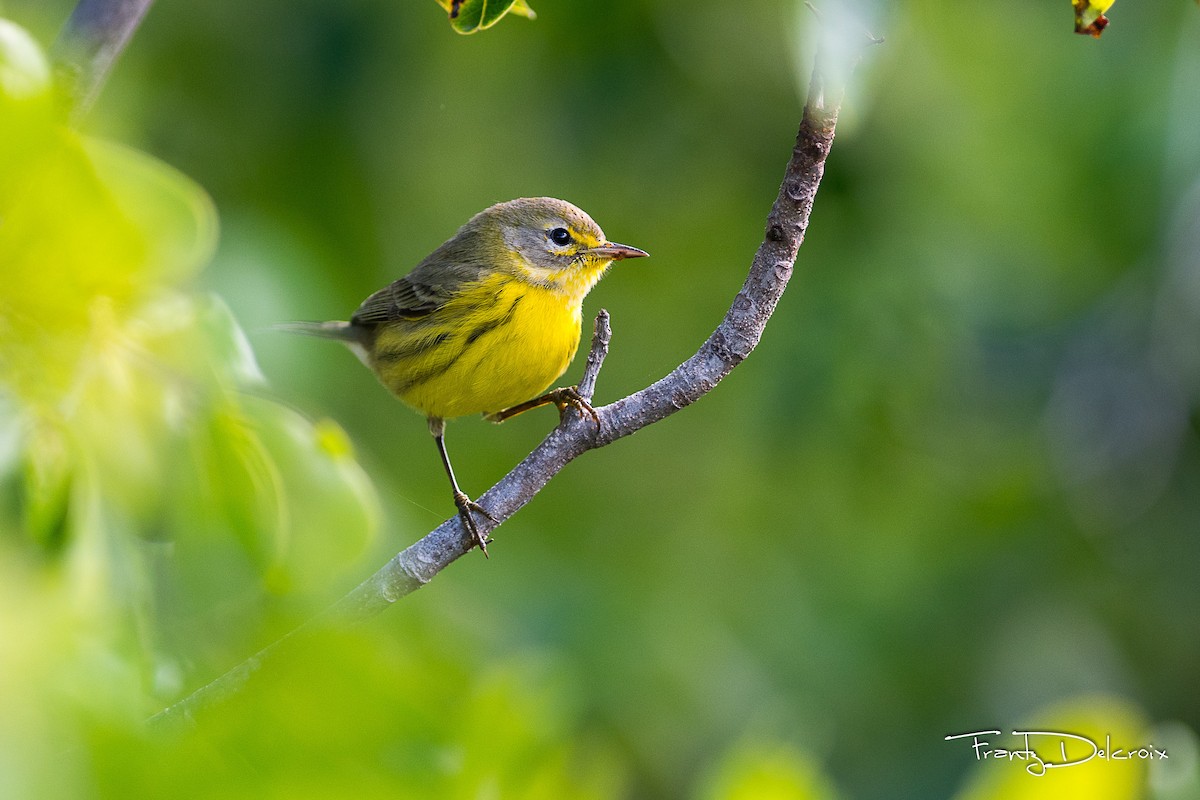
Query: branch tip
[[601, 337]]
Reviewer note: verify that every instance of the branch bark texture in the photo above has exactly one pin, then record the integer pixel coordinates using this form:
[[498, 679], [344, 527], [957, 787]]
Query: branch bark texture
[[734, 338]]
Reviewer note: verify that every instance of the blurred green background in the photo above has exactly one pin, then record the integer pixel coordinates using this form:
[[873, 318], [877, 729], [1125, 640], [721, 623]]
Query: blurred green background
[[956, 488]]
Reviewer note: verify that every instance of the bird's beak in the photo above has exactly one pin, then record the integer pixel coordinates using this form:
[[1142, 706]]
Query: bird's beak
[[616, 252]]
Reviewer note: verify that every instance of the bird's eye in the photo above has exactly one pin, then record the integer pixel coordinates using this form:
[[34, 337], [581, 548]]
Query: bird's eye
[[560, 236]]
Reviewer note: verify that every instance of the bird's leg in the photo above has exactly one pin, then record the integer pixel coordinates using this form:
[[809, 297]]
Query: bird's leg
[[565, 397], [437, 427]]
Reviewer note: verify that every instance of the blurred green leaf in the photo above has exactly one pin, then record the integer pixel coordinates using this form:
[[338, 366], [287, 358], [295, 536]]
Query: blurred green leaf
[[46, 493], [351, 713], [764, 770], [66, 250], [136, 436], [173, 214], [478, 15], [120, 374]]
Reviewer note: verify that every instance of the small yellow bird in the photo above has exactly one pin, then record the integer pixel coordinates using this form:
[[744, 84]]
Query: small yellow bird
[[486, 322]]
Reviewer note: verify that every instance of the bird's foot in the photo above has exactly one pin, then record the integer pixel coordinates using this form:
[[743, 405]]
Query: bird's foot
[[465, 506], [565, 397], [569, 397]]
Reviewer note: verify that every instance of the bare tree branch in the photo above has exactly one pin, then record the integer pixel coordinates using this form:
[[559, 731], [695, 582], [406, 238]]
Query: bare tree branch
[[601, 336], [733, 340], [90, 43]]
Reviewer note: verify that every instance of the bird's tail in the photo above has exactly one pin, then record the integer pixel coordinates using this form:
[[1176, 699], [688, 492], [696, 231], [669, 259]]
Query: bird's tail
[[342, 331]]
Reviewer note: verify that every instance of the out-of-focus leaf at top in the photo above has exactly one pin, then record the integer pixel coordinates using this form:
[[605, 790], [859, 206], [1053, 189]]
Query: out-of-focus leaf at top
[[1089, 16], [469, 16]]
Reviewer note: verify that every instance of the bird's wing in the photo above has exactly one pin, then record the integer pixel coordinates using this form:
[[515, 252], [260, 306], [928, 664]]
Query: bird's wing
[[406, 298], [443, 275]]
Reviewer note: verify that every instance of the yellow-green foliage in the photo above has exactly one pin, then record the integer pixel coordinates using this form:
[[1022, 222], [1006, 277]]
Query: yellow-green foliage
[[160, 519], [132, 460], [1116, 724], [765, 770]]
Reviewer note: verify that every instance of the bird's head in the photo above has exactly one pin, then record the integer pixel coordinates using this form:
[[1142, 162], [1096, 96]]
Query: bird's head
[[553, 244]]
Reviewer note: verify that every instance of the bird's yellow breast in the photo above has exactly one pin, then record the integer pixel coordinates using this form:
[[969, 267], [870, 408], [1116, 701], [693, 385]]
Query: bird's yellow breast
[[497, 344]]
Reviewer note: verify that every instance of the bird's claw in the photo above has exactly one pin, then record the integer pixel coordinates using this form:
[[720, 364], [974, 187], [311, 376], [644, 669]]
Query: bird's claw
[[569, 397], [465, 506]]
